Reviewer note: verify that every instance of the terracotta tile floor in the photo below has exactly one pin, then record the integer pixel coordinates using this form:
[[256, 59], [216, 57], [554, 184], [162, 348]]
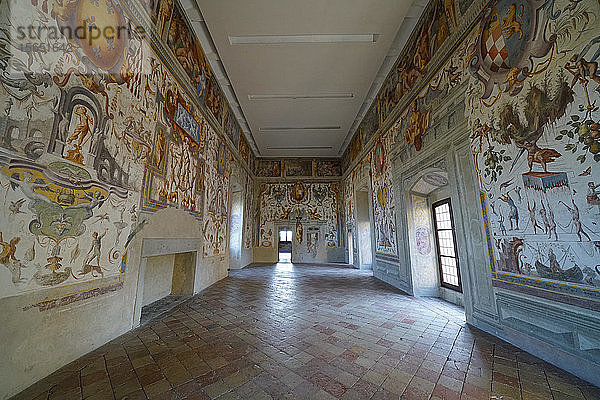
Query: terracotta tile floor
[[309, 332]]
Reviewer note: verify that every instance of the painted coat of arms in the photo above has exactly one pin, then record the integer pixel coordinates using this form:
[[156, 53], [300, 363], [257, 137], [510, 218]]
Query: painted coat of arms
[[512, 37]]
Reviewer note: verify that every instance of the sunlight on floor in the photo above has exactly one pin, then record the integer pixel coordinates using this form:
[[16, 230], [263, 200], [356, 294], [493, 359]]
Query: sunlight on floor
[[285, 257]]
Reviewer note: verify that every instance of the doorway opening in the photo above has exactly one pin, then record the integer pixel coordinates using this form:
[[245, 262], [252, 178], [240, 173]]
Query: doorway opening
[[435, 266], [285, 245], [350, 248], [364, 229], [235, 228]]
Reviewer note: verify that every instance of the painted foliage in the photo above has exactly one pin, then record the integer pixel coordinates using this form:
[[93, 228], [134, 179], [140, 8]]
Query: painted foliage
[[384, 209], [535, 124], [305, 201]]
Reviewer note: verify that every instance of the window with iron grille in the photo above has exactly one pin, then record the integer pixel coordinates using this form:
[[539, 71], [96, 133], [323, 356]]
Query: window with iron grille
[[446, 245]]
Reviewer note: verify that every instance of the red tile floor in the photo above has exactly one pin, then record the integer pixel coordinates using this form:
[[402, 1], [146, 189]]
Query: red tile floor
[[309, 332]]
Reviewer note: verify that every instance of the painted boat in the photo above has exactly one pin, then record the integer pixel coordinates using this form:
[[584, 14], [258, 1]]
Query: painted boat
[[574, 274]]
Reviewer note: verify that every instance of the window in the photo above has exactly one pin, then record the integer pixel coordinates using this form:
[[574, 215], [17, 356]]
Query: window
[[446, 245], [285, 236]]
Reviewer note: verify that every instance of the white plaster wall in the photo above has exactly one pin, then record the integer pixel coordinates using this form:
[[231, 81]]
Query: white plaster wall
[[265, 255], [209, 271], [246, 257], [158, 278], [36, 343]]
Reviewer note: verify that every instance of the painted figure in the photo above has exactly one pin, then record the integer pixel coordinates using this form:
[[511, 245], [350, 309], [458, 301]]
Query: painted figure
[[554, 265], [535, 154], [28, 186], [299, 231], [422, 54], [95, 249], [15, 207], [501, 225], [544, 216], [532, 217], [510, 24], [80, 136], [166, 9], [551, 223], [592, 194], [513, 214], [582, 70], [576, 220], [83, 128], [8, 258], [518, 193], [451, 12]]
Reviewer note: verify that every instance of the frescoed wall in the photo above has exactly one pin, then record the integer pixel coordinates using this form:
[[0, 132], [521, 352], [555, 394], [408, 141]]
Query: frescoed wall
[[533, 141], [359, 175], [350, 222], [79, 146], [384, 206], [300, 205], [216, 199], [98, 135], [511, 115], [536, 143], [71, 159], [250, 213]]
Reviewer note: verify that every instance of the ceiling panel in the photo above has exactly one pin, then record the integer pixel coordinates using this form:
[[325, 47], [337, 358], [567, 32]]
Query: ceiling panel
[[302, 68]]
